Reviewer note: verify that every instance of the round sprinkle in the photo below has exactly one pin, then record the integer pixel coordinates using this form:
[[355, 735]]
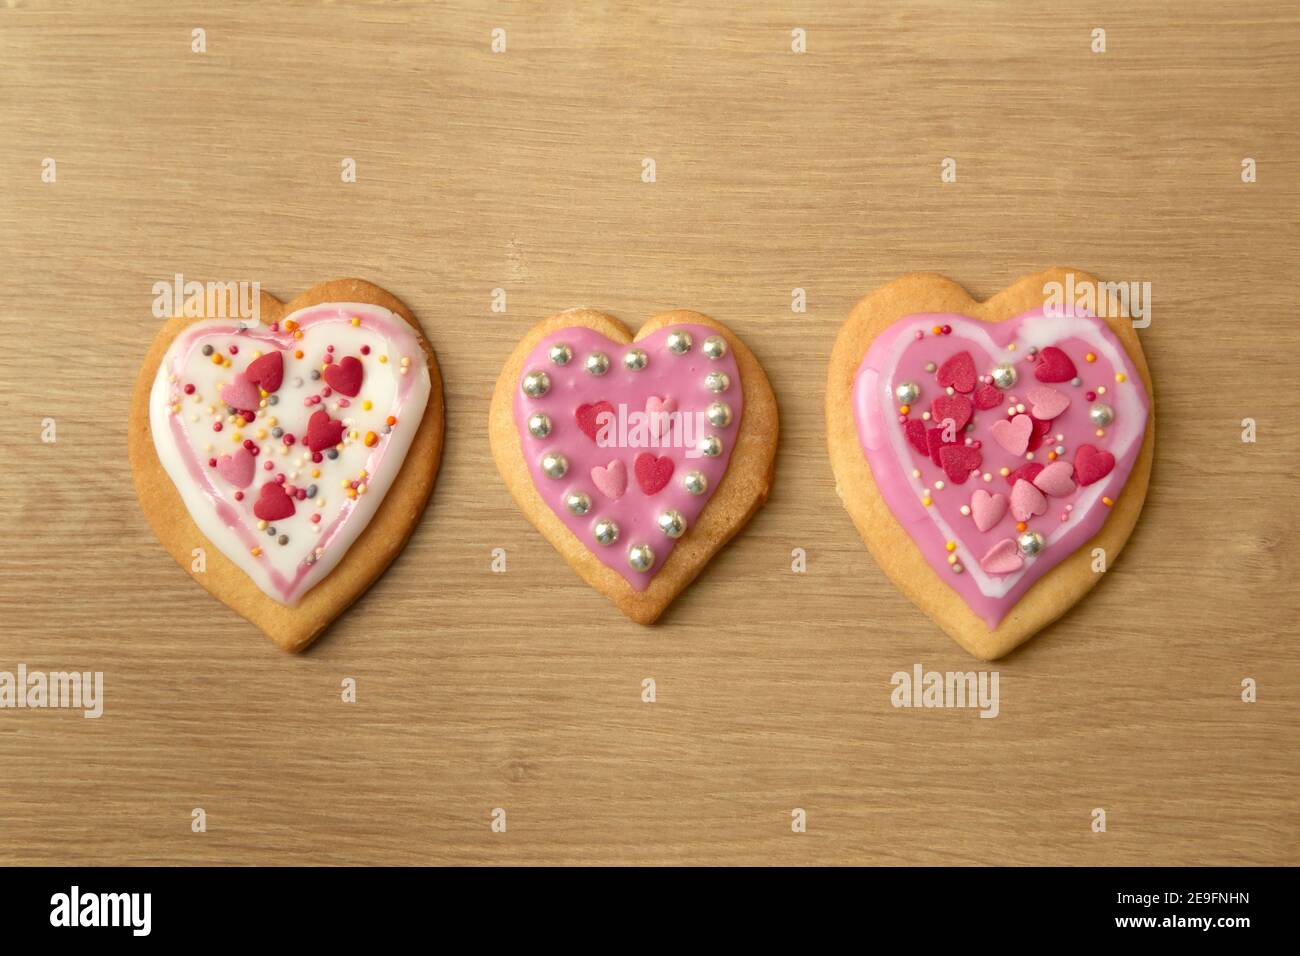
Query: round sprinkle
[[536, 384], [635, 359], [597, 363], [672, 524], [605, 531], [678, 342], [561, 354], [554, 465], [715, 347], [640, 557], [539, 425]]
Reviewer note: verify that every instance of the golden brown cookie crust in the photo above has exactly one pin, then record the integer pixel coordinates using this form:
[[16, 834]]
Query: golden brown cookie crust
[[291, 628], [892, 547], [742, 491]]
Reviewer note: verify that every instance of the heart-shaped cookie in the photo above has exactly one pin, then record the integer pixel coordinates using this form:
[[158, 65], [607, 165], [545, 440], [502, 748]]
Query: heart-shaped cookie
[[983, 513], [297, 451], [636, 458]]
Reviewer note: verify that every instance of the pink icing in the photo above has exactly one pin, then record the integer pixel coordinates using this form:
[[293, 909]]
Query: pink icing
[[669, 378], [238, 517], [1073, 513]]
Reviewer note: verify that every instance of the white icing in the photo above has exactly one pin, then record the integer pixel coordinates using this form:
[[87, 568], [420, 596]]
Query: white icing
[[278, 568]]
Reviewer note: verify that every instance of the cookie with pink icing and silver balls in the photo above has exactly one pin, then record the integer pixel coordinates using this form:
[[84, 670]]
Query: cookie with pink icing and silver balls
[[639, 455]]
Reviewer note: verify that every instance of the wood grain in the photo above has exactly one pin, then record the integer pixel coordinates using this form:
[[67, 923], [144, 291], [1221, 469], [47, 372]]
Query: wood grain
[[775, 171]]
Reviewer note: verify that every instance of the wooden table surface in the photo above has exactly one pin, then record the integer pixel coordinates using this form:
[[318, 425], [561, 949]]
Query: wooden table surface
[[522, 171]]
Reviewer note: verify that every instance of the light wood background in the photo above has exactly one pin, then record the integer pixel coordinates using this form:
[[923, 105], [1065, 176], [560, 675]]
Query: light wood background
[[522, 171]]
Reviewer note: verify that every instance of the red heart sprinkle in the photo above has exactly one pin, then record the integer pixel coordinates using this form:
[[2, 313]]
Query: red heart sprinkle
[[345, 376], [273, 504], [267, 372], [323, 432], [1054, 366], [587, 414], [933, 442], [1028, 471], [956, 407], [652, 473], [1041, 430], [959, 461], [1091, 465], [988, 396], [914, 429], [958, 372]]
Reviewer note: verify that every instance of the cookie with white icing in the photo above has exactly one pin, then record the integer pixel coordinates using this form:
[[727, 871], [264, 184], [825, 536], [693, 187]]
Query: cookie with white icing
[[986, 449], [298, 451], [638, 458]]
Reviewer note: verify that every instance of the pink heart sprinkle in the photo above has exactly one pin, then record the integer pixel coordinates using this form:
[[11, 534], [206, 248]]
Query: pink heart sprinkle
[[1027, 501], [1013, 435], [611, 479], [987, 509], [1047, 402], [1003, 558], [241, 394], [237, 468], [1056, 479], [656, 409]]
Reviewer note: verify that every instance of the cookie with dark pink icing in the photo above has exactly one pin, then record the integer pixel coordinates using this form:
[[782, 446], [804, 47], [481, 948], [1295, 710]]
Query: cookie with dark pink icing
[[986, 451], [638, 458]]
